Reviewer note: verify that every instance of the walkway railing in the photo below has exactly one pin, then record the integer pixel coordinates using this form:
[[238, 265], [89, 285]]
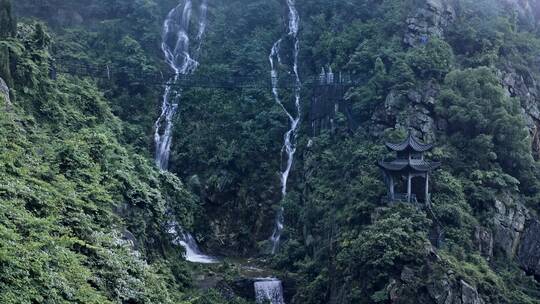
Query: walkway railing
[[198, 81]]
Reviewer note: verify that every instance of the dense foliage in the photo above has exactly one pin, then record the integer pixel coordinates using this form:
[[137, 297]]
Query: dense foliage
[[84, 213]]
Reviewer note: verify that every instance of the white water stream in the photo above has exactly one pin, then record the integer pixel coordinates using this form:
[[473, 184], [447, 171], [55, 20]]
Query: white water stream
[[289, 143], [176, 49], [269, 290], [186, 240]]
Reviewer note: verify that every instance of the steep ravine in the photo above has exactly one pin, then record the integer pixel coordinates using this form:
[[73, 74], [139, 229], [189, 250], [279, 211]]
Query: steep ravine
[[270, 170]]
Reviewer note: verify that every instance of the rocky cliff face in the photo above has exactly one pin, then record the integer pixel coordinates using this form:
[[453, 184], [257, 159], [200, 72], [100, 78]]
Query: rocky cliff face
[[451, 291], [523, 86], [483, 241], [413, 108], [529, 249], [429, 21], [445, 288], [509, 224], [516, 232]]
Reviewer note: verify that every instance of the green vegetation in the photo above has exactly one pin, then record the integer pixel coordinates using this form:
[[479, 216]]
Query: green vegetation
[[83, 211]]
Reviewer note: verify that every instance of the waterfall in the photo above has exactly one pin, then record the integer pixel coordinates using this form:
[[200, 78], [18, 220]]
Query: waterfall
[[176, 49], [289, 142], [269, 290], [186, 240]]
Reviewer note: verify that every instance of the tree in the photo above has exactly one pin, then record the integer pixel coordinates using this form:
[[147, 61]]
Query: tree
[[485, 124], [8, 26]]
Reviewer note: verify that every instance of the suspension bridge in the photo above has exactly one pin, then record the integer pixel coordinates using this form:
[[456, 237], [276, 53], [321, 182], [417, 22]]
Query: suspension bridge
[[214, 81]]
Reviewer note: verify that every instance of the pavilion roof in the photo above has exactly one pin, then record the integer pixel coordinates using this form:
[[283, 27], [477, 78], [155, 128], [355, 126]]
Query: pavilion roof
[[415, 165], [409, 144]]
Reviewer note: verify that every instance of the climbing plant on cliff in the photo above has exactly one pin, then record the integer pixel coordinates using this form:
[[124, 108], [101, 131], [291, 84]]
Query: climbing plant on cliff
[[486, 126]]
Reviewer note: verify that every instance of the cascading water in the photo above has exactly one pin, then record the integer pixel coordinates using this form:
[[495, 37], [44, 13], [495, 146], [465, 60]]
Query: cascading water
[[269, 290], [289, 147], [186, 240], [176, 48]]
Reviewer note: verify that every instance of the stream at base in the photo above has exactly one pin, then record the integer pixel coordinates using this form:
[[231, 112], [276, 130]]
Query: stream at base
[[269, 290], [185, 239]]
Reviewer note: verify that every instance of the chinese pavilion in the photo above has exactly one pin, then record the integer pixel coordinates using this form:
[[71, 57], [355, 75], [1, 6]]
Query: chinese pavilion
[[409, 172]]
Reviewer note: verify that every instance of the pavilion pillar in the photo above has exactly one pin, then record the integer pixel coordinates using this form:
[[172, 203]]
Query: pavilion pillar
[[409, 191], [391, 187], [427, 188]]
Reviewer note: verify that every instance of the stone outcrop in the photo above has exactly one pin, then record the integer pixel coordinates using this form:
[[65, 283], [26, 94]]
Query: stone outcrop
[[529, 249], [447, 288], [483, 241], [445, 291], [508, 224], [523, 86], [469, 294], [517, 233], [413, 108], [429, 21]]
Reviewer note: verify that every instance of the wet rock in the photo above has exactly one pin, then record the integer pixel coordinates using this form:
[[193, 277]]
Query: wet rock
[[508, 224], [529, 249], [483, 240], [429, 21]]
